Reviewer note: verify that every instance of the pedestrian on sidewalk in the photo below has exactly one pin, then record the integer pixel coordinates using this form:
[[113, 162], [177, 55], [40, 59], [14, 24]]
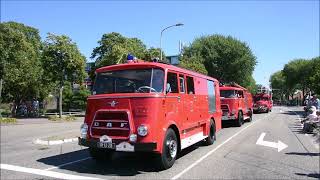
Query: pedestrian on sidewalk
[[314, 101], [311, 121]]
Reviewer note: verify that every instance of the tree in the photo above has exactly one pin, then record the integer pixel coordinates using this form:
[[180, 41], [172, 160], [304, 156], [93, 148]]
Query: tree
[[62, 61], [224, 58], [297, 73], [113, 49], [314, 77], [251, 85], [20, 65], [195, 63], [278, 85], [152, 53]]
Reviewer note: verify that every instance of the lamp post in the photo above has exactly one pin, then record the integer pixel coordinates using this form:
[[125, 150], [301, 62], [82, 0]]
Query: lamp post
[[179, 24]]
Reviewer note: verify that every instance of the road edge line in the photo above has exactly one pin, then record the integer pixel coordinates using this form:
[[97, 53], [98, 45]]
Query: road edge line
[[56, 142], [40, 172]]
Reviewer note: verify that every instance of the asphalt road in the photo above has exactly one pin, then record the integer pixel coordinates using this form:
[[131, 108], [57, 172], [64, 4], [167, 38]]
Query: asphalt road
[[235, 154]]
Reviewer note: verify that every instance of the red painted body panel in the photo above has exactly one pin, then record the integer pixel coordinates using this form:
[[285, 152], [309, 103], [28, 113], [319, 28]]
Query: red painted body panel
[[189, 113]]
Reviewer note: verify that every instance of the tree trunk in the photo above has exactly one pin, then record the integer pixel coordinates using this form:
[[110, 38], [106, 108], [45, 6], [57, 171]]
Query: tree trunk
[[60, 102]]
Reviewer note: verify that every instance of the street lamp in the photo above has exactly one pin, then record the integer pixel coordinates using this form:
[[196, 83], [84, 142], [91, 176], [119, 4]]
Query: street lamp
[[179, 24]]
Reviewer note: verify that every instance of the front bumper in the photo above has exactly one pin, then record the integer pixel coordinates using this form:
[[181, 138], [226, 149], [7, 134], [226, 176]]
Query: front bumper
[[128, 147], [260, 108]]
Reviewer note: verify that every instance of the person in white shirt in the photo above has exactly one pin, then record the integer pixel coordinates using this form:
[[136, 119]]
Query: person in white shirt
[[312, 119]]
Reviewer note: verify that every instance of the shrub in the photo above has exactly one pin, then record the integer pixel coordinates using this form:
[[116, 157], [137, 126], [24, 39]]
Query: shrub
[[8, 120]]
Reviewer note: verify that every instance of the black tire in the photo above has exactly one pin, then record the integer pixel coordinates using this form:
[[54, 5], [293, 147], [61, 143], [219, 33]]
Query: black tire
[[239, 121], [267, 110], [212, 134], [101, 155], [169, 150], [250, 117]]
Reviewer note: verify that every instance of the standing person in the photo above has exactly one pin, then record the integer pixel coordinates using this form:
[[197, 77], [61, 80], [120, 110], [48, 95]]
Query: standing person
[[35, 107]]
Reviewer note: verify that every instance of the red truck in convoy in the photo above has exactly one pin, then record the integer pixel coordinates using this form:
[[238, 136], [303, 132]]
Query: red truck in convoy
[[262, 102], [150, 107], [236, 104]]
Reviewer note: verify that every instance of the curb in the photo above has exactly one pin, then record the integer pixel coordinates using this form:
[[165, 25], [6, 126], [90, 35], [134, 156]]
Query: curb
[[56, 142]]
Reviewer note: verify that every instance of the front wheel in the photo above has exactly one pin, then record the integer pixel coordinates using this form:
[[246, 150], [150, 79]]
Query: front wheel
[[212, 134], [169, 150], [250, 117], [240, 119]]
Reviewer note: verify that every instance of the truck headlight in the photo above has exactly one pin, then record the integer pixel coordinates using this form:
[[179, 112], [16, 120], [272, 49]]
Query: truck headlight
[[142, 130], [83, 130]]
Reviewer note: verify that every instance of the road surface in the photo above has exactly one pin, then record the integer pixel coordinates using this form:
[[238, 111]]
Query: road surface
[[235, 154]]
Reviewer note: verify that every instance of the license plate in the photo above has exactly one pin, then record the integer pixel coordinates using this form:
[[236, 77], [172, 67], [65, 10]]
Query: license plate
[[107, 145]]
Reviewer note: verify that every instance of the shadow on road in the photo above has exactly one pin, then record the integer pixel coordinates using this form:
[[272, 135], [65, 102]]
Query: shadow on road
[[227, 124], [122, 164], [313, 175], [304, 154], [294, 113]]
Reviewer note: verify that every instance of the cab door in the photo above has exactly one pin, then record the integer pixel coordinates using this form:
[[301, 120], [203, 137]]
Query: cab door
[[242, 103], [189, 103], [185, 105], [173, 102]]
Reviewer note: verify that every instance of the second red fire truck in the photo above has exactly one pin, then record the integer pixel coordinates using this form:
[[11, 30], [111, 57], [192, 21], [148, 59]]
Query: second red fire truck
[[236, 104]]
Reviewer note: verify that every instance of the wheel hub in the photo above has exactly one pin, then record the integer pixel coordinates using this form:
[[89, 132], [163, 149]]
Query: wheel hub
[[172, 147]]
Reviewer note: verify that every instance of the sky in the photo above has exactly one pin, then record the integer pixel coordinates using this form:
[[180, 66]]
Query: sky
[[275, 31]]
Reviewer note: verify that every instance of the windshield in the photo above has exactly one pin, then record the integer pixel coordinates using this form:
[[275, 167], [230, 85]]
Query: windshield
[[228, 93], [129, 81]]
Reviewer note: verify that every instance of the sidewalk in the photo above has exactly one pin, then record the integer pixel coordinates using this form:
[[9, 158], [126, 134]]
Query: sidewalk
[[26, 121]]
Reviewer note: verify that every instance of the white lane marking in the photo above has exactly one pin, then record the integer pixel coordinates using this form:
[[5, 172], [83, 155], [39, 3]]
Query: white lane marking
[[56, 142], [43, 172], [213, 150], [280, 145], [65, 164]]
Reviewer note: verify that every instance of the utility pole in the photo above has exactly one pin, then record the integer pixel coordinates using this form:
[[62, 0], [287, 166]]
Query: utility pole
[[179, 24]]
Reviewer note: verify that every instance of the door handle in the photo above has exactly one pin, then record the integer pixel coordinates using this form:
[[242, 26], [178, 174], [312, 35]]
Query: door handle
[[179, 98]]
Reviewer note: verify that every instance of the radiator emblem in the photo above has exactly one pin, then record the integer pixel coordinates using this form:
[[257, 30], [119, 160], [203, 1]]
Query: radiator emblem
[[113, 103]]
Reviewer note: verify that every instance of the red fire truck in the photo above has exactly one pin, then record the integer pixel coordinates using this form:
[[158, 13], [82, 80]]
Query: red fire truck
[[150, 107], [236, 104], [262, 102]]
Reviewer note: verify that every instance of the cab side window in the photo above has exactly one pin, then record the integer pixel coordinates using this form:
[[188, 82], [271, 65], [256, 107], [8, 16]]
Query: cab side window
[[181, 83], [240, 94], [172, 83], [190, 85]]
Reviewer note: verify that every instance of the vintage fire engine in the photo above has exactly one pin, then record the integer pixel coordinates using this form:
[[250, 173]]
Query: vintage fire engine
[[262, 102], [150, 107], [236, 104]]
